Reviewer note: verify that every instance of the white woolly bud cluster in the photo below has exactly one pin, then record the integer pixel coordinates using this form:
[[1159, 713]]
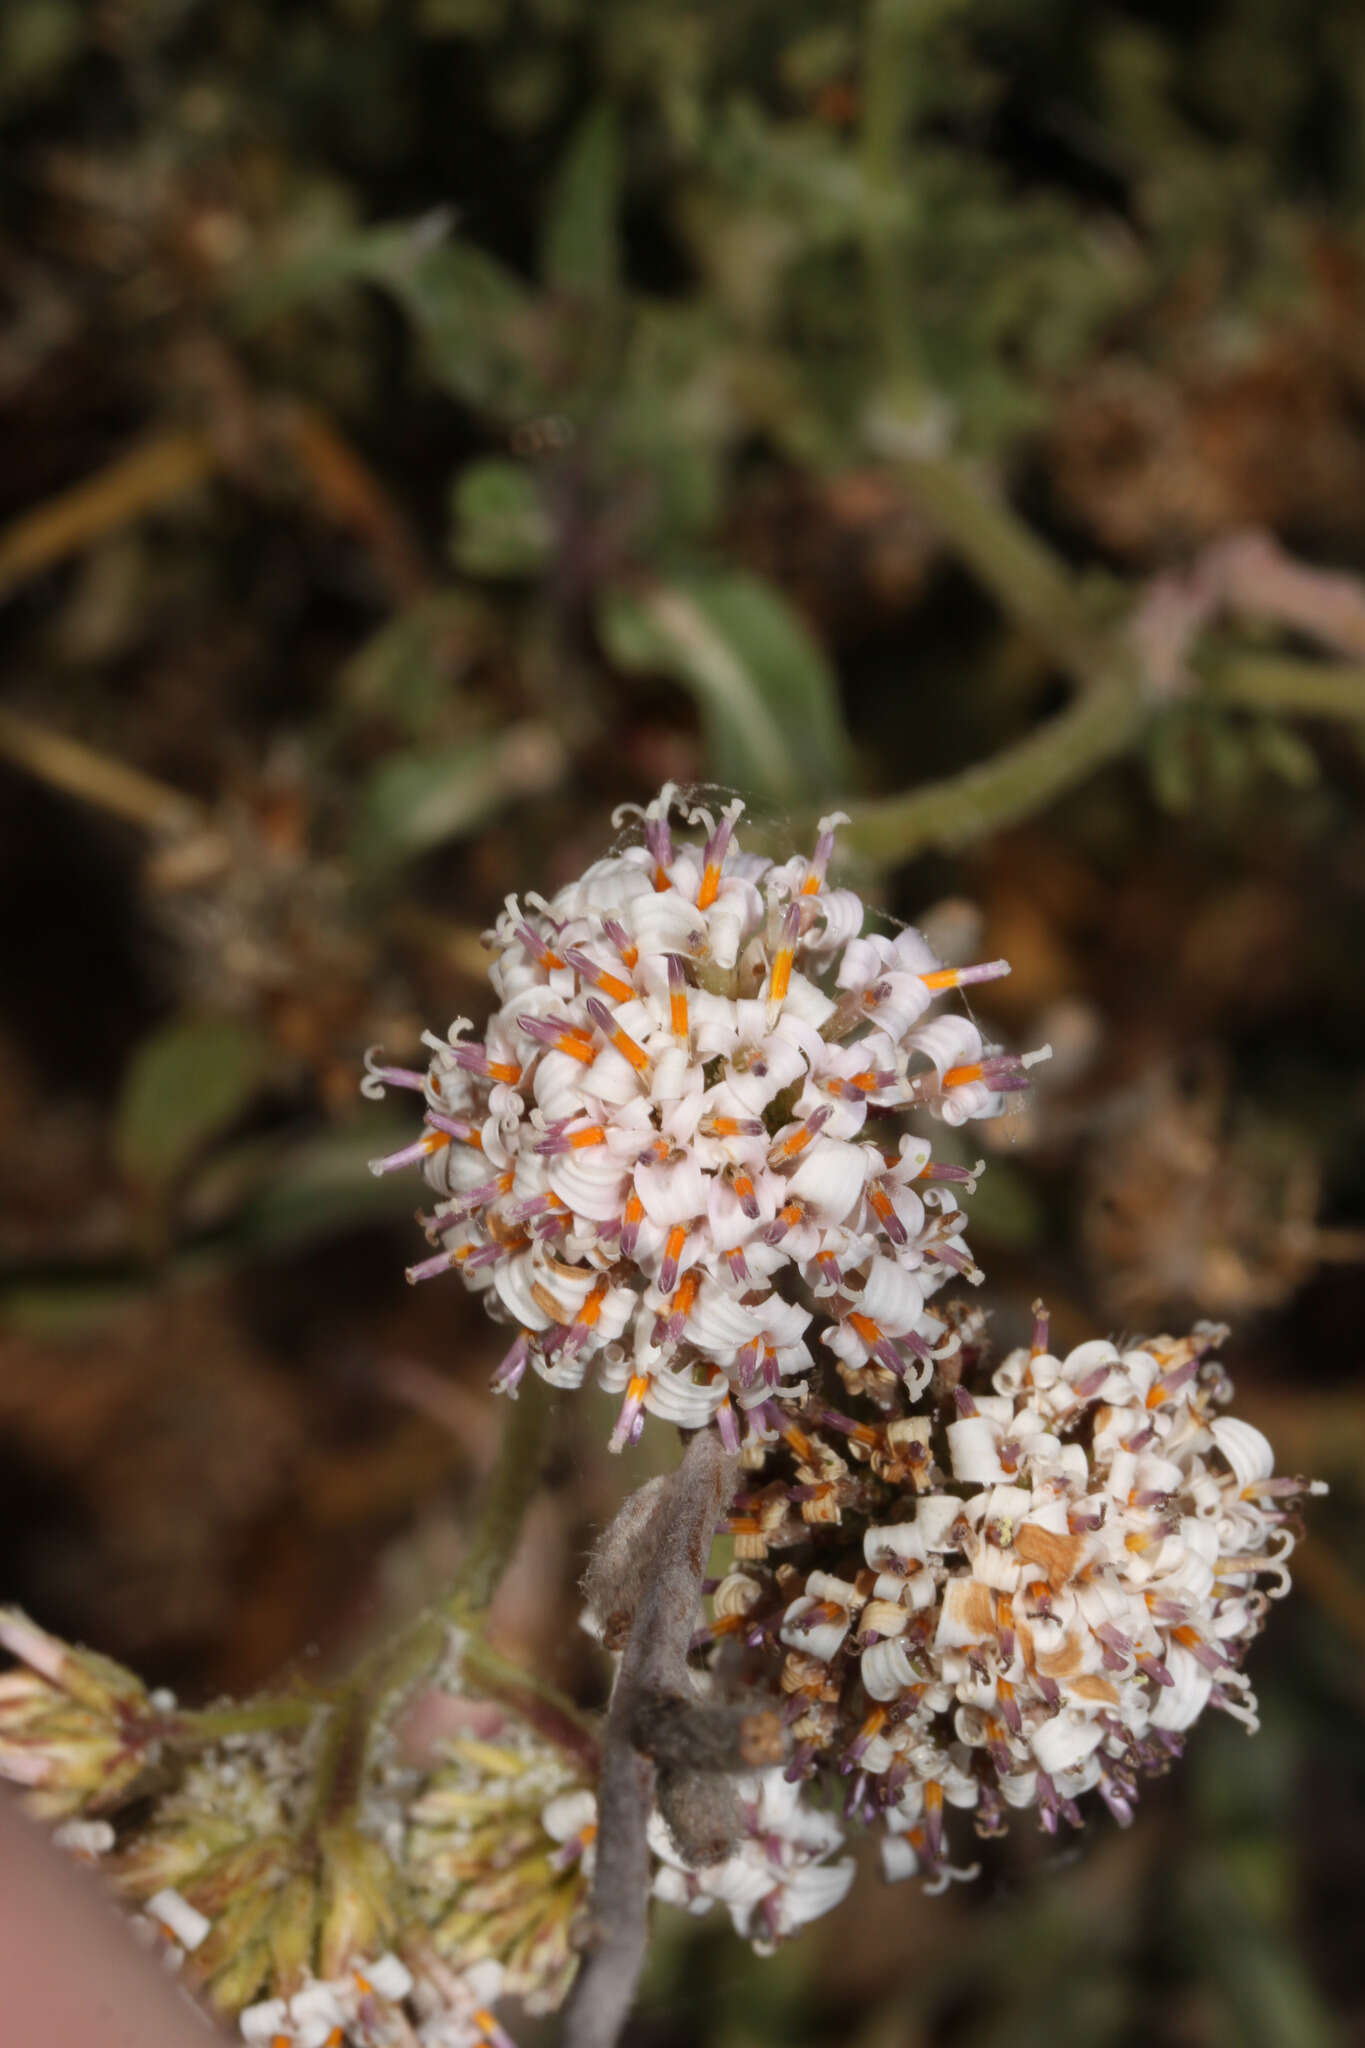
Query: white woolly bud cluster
[[1057, 1620], [661, 1160]]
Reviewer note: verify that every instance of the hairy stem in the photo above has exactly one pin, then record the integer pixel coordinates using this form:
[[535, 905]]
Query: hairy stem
[[1293, 687], [677, 1541], [199, 1728], [1099, 725], [376, 1688], [534, 1700], [1031, 584], [513, 1484], [341, 1759], [888, 92], [1096, 727], [1040, 595]]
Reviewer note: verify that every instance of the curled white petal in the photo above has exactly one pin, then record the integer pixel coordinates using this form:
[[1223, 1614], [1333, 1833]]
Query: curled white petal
[[1246, 1450]]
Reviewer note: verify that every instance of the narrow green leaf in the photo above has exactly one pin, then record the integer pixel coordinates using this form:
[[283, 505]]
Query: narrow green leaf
[[186, 1083], [417, 799], [320, 1186], [1170, 762], [410, 668], [475, 318], [1285, 752], [1229, 761], [502, 525], [767, 696], [74, 1305], [1249, 1954], [581, 247]]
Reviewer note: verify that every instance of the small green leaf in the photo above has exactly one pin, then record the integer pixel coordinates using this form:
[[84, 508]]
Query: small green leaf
[[474, 317], [502, 526], [1170, 762], [581, 248], [417, 799], [409, 670], [77, 1304], [767, 696], [477, 321], [186, 1083], [1285, 752]]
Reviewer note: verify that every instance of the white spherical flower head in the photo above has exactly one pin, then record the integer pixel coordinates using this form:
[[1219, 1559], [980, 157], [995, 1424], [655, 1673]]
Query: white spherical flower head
[[673, 1158], [1057, 1622]]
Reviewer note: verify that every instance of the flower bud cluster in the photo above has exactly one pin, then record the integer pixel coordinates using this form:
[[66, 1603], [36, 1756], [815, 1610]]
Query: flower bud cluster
[[677, 1156], [223, 1871], [76, 1729], [429, 1892], [498, 1851], [1074, 1571]]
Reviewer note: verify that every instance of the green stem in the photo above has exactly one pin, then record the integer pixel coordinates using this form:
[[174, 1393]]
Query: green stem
[[340, 1768], [888, 102], [198, 1728], [536, 1702], [512, 1485], [1031, 584], [1097, 727], [391, 1670], [380, 1683], [1102, 723], [1280, 682]]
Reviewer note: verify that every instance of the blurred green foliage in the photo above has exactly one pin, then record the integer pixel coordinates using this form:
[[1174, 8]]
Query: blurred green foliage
[[187, 1083], [653, 254]]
